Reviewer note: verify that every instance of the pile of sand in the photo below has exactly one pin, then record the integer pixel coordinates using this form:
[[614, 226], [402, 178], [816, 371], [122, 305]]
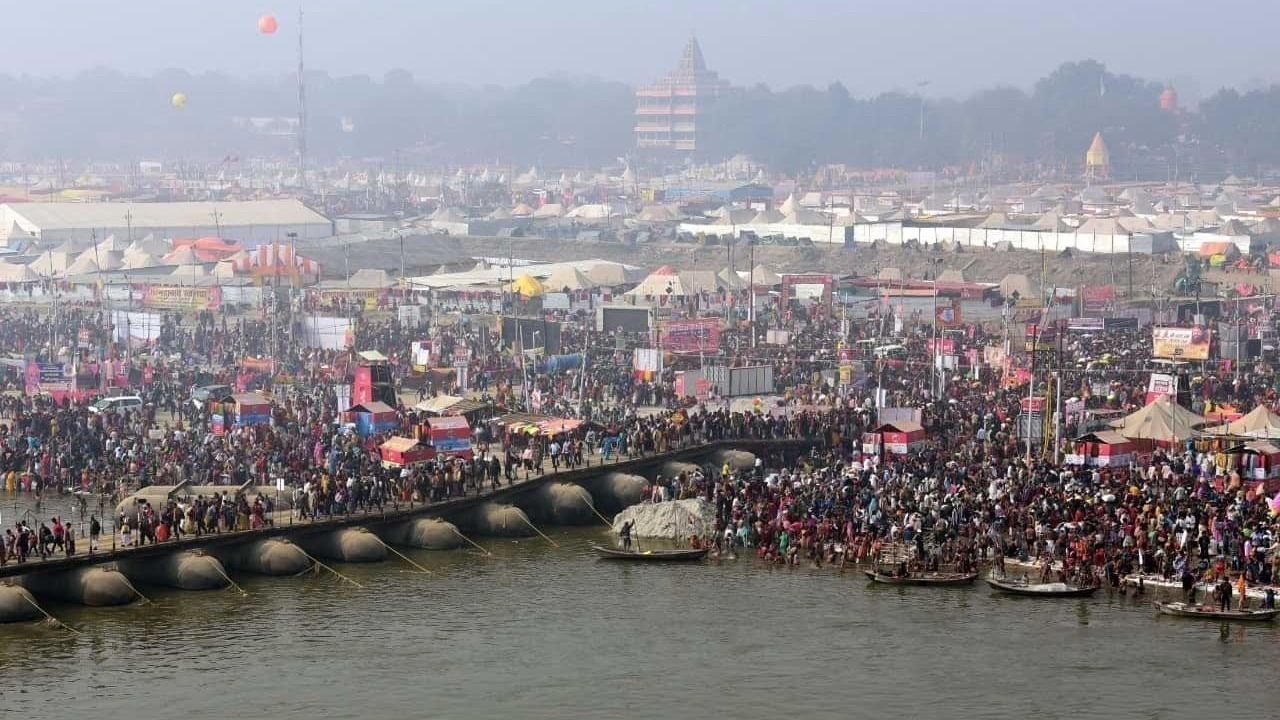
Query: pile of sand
[[673, 520]]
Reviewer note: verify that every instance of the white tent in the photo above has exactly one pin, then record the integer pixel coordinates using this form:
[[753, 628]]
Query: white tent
[[611, 274], [767, 217], [83, 265], [657, 214], [565, 276], [663, 282], [597, 211], [51, 262], [550, 210], [137, 260], [182, 256], [13, 273], [763, 276], [189, 272]]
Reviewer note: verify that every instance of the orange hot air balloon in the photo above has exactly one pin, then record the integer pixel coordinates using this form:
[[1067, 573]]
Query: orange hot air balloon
[[267, 24]]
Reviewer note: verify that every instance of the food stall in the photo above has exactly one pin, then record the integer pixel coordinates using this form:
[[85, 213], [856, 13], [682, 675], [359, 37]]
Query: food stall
[[900, 437], [373, 417], [403, 452], [239, 410], [1101, 448], [1257, 460], [450, 436]]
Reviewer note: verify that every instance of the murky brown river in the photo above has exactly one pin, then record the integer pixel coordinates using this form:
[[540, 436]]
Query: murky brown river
[[541, 632]]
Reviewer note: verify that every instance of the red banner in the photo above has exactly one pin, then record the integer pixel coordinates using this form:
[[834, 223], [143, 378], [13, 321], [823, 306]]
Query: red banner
[[691, 335], [1096, 298]]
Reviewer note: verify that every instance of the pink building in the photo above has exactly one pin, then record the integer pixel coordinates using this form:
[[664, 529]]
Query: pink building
[[667, 112]]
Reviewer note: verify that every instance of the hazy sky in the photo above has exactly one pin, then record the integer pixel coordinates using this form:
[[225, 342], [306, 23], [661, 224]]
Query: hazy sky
[[871, 46]]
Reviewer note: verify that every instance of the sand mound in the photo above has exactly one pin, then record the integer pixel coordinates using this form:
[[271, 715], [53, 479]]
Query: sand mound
[[676, 519]]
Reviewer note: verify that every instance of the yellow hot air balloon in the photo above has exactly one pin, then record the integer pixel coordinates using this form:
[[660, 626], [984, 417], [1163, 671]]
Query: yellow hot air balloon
[[179, 100]]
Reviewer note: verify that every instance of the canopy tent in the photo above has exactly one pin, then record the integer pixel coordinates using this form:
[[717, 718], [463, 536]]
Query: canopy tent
[[763, 276], [663, 282], [526, 286], [1161, 421], [189, 272], [658, 214], [138, 259], [1016, 283], [1259, 423], [437, 405], [611, 274], [768, 216], [182, 256], [13, 273], [568, 278], [370, 279], [731, 280]]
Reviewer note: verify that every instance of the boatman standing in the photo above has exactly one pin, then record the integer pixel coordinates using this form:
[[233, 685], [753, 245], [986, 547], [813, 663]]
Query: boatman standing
[[625, 532]]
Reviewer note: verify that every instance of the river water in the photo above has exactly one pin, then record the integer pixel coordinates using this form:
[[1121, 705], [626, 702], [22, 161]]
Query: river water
[[542, 632]]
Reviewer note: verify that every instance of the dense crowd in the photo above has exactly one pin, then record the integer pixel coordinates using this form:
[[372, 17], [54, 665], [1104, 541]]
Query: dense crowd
[[974, 494]]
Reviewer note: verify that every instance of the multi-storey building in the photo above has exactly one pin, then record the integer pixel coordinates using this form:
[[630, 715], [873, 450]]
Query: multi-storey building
[[669, 112]]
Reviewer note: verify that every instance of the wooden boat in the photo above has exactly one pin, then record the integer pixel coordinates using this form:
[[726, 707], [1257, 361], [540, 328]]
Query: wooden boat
[[1211, 612], [689, 555], [1053, 589], [923, 578]]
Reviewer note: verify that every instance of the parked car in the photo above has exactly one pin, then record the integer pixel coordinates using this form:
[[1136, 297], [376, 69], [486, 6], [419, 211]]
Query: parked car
[[200, 394], [118, 404]]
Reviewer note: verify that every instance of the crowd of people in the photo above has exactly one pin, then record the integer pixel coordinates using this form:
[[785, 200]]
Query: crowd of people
[[976, 493]]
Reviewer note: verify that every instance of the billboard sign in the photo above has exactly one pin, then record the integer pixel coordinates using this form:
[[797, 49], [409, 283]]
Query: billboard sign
[[1181, 343]]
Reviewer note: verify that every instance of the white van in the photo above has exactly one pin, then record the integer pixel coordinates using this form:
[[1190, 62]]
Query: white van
[[119, 404]]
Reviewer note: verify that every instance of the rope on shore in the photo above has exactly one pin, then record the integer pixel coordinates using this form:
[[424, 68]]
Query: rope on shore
[[316, 560], [474, 544], [48, 618], [535, 529], [403, 556], [218, 566], [145, 600]]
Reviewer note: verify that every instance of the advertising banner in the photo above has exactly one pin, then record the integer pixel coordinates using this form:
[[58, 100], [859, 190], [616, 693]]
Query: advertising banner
[[947, 315], [56, 379], [1161, 384], [1096, 298], [691, 335], [136, 327], [326, 333], [1181, 343], [178, 297]]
